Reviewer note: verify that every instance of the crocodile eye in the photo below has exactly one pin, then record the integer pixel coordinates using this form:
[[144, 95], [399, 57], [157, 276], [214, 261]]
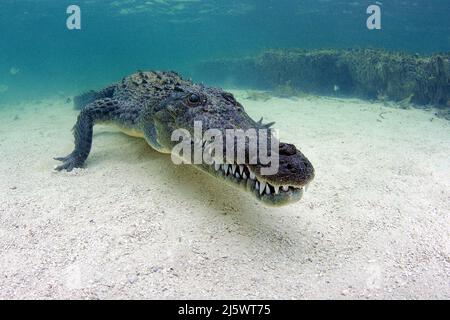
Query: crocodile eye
[[194, 98], [229, 97]]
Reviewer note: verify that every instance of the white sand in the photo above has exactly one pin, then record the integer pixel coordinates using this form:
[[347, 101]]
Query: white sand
[[374, 223]]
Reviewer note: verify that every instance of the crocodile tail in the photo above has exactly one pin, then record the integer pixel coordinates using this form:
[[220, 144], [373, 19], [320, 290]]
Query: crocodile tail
[[82, 100]]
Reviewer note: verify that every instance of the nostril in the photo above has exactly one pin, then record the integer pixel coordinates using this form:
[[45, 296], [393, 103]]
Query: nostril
[[287, 149]]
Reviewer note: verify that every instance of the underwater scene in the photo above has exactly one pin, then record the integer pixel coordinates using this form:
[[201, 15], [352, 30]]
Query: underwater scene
[[212, 149]]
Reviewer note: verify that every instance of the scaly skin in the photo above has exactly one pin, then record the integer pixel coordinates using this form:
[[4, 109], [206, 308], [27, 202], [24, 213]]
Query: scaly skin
[[153, 104]]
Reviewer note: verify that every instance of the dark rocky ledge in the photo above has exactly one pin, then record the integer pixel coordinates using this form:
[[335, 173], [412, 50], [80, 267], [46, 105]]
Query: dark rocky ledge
[[364, 73]]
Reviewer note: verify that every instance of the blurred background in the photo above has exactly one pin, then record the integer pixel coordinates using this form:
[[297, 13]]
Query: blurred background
[[40, 57]]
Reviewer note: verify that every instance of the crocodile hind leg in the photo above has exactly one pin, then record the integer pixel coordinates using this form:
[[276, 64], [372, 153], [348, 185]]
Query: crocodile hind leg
[[104, 110]]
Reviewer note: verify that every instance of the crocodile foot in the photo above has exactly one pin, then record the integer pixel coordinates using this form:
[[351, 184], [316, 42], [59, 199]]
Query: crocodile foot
[[69, 162]]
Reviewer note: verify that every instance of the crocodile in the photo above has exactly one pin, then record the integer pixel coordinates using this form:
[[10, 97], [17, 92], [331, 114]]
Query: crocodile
[[151, 105]]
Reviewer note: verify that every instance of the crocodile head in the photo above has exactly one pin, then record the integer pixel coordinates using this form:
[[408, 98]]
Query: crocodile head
[[217, 109]]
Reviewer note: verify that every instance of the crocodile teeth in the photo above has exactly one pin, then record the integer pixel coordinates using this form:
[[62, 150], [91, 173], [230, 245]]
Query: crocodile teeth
[[261, 189]]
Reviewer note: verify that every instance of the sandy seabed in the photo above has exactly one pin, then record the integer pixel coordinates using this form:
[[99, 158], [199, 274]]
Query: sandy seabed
[[373, 224]]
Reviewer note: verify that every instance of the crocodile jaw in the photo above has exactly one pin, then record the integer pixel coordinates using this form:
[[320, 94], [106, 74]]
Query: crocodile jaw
[[242, 177]]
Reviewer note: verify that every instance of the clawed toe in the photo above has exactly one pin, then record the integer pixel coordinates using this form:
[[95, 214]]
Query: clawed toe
[[69, 163], [63, 159]]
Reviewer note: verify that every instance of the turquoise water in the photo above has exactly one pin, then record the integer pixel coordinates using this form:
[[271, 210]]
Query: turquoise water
[[40, 57]]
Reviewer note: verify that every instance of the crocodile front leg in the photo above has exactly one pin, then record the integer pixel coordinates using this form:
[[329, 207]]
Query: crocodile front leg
[[104, 110], [83, 141]]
